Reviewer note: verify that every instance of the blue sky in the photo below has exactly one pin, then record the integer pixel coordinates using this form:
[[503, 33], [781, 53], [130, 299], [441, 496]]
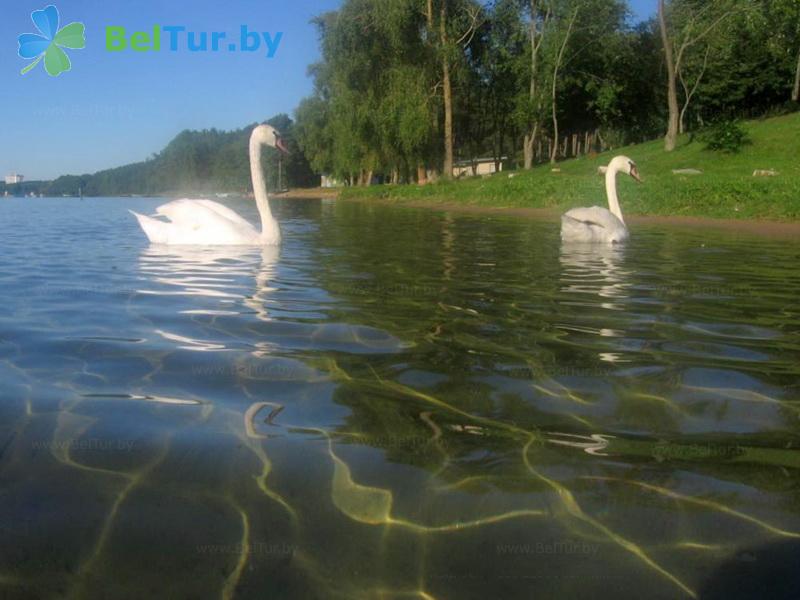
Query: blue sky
[[116, 108]]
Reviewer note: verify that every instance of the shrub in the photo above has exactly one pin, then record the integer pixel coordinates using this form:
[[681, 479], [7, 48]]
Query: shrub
[[725, 136]]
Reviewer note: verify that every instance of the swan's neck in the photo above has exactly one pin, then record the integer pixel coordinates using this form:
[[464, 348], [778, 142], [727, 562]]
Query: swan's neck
[[269, 228], [611, 193]]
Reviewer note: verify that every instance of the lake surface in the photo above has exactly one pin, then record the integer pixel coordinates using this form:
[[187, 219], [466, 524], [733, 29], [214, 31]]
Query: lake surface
[[397, 403]]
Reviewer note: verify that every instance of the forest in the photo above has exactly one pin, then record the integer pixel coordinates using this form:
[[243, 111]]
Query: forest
[[406, 88], [200, 162]]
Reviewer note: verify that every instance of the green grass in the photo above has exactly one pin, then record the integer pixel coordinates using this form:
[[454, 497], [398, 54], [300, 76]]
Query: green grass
[[726, 189]]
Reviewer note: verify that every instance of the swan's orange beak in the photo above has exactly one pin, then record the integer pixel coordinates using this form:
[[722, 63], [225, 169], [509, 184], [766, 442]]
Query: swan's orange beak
[[281, 146], [635, 174]]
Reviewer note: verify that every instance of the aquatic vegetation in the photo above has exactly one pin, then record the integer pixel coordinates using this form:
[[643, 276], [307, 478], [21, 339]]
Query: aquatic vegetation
[[485, 417]]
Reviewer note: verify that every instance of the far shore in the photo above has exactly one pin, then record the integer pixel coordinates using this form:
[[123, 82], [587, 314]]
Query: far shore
[[775, 229], [317, 193]]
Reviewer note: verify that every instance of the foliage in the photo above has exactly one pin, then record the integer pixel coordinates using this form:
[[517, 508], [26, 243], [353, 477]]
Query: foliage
[[725, 189], [725, 136], [378, 86]]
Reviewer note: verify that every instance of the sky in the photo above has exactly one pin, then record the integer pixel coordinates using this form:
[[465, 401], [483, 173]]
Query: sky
[[113, 108]]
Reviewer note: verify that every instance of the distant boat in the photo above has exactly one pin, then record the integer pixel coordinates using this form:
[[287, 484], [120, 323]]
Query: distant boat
[[222, 195]]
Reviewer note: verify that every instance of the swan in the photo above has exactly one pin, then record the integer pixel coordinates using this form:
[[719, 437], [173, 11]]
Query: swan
[[600, 225], [204, 222]]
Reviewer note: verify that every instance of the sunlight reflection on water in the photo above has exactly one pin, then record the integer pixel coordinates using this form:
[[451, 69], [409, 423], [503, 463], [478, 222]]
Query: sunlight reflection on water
[[395, 402]]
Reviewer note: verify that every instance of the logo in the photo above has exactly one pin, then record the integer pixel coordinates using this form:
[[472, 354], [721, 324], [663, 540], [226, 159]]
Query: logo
[[50, 42], [117, 40]]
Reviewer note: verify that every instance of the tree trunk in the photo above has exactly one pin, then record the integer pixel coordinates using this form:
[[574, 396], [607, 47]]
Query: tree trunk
[[796, 90], [556, 68], [530, 137], [671, 139], [527, 151], [448, 94], [422, 175], [528, 146], [554, 153]]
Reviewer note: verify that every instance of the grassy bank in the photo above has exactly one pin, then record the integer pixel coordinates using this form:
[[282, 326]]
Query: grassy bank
[[725, 189]]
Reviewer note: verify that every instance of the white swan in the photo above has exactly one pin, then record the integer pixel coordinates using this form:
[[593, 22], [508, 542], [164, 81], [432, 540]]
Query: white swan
[[204, 222], [600, 225]]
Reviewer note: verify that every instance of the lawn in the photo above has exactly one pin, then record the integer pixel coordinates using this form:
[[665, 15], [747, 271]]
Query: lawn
[[725, 189]]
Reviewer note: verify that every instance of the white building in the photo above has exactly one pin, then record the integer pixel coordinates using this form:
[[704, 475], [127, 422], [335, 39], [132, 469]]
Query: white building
[[14, 178], [329, 181], [483, 166]]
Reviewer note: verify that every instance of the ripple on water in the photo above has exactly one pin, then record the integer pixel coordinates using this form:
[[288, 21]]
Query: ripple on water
[[698, 349], [384, 394], [733, 330]]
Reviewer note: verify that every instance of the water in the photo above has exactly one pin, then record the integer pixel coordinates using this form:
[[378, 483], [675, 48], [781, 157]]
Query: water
[[397, 403]]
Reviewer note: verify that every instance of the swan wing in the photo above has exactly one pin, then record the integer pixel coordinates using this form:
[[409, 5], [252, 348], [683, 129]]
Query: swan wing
[[199, 213], [224, 211], [595, 216], [197, 222], [594, 224]]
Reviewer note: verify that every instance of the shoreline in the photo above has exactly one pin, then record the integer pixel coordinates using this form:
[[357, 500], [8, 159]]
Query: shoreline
[[765, 227], [317, 193]]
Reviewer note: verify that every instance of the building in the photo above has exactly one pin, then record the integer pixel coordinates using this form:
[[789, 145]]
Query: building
[[482, 166], [329, 181], [14, 178]]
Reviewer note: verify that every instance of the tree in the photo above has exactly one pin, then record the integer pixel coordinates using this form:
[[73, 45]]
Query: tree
[[558, 61], [458, 20], [539, 19], [684, 24], [782, 19]]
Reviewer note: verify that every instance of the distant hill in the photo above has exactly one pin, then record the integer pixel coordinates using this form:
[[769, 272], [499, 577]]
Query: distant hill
[[195, 161]]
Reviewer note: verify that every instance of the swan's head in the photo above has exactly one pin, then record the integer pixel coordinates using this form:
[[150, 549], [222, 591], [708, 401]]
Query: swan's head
[[623, 164], [267, 135]]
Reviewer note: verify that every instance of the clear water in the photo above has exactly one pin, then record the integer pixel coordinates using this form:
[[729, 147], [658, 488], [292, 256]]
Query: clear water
[[398, 403]]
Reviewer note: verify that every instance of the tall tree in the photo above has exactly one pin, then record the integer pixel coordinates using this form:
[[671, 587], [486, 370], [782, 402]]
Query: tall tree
[[684, 24], [565, 34], [540, 12], [458, 21], [783, 21]]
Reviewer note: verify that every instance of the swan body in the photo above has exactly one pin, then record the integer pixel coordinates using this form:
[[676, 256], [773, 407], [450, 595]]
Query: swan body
[[205, 222], [600, 225]]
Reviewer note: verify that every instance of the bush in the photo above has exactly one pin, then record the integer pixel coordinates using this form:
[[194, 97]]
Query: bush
[[726, 136]]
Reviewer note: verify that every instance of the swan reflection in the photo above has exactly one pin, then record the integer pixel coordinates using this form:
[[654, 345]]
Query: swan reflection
[[221, 280], [595, 270], [594, 276], [219, 273]]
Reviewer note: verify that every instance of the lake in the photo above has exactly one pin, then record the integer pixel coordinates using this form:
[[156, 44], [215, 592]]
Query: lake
[[397, 403]]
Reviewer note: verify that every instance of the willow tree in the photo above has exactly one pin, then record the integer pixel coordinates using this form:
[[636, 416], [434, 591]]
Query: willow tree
[[371, 101]]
